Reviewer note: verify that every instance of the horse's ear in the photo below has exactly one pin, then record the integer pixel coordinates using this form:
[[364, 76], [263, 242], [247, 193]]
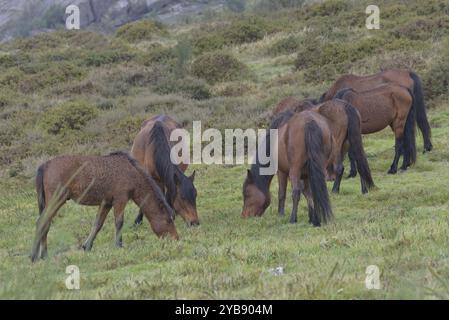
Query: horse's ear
[[192, 177], [249, 176]]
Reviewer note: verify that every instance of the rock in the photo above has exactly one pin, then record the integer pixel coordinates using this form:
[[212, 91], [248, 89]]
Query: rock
[[100, 15]]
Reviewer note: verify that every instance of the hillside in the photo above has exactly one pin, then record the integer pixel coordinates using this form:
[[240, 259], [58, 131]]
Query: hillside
[[82, 92]]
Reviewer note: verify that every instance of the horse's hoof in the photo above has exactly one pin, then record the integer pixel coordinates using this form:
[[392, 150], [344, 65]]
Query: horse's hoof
[[351, 175], [392, 171], [293, 221], [336, 191]]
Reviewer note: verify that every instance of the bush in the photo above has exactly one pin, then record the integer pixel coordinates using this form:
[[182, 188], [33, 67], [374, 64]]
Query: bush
[[327, 8], [158, 54], [287, 45], [247, 30], [436, 81], [422, 29], [68, 116], [141, 30], [218, 67], [45, 75], [97, 59], [315, 54], [192, 88]]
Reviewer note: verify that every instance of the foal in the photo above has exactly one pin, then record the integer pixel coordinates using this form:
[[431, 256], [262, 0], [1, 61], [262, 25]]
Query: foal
[[105, 181]]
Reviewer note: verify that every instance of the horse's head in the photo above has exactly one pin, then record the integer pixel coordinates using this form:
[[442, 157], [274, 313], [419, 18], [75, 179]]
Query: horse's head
[[255, 201], [185, 200]]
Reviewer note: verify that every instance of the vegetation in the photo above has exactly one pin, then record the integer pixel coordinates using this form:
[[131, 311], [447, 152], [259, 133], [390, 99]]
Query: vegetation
[[81, 92]]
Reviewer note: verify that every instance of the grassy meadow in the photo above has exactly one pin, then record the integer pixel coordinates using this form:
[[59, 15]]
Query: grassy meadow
[[79, 92]]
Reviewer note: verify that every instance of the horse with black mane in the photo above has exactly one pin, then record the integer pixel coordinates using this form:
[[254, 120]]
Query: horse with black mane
[[151, 148], [305, 153], [345, 123], [105, 181], [403, 77], [387, 105]]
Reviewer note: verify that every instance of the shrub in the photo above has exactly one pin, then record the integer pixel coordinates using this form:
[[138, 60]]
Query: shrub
[[327, 8], [208, 42], [46, 75], [247, 30], [192, 88], [141, 30], [218, 67], [68, 116], [158, 54], [96, 59], [422, 29], [318, 55], [287, 45], [436, 81]]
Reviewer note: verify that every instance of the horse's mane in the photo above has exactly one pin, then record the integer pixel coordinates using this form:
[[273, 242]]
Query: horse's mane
[[263, 181], [166, 170], [341, 93], [157, 191]]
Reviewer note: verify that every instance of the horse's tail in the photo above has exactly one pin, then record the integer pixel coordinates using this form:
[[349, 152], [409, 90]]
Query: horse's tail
[[40, 188], [41, 204], [164, 166], [341, 93], [317, 181], [420, 109], [356, 147], [410, 134]]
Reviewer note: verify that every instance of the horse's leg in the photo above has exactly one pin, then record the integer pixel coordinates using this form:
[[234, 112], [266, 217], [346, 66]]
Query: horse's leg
[[99, 221], [119, 210], [353, 171], [139, 218], [310, 205], [397, 154], [43, 226], [282, 180], [296, 187], [43, 245], [339, 172]]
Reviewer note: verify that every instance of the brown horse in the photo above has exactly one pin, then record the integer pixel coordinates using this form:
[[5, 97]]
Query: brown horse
[[405, 78], [387, 105], [344, 121], [104, 181], [151, 148], [305, 152]]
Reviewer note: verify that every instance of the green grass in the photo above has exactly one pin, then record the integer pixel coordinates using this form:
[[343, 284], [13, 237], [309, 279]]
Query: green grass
[[402, 226]]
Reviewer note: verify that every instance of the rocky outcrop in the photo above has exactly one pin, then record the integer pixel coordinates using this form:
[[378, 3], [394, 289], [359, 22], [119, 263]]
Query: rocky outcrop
[[101, 14]]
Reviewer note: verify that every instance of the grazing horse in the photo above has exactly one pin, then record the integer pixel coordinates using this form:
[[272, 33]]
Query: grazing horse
[[344, 121], [151, 148], [104, 181], [387, 105], [345, 124], [402, 77], [305, 152]]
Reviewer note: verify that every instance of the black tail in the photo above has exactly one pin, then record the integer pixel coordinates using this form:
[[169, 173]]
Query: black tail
[[410, 136], [420, 110], [40, 189], [356, 150], [317, 181], [165, 168], [341, 93]]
